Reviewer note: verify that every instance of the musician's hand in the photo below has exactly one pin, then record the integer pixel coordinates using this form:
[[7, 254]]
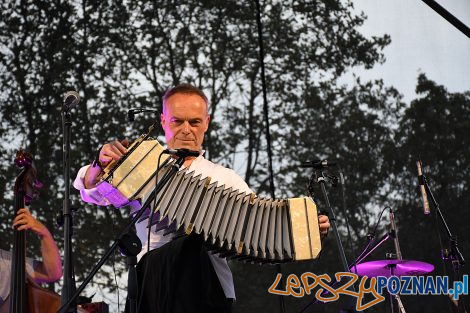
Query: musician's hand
[[113, 151], [50, 268], [324, 222], [110, 151], [24, 220]]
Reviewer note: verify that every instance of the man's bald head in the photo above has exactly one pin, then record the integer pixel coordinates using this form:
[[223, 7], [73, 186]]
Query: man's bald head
[[184, 88]]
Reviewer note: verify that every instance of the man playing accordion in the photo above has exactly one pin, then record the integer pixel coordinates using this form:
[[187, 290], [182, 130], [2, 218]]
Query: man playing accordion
[[178, 275]]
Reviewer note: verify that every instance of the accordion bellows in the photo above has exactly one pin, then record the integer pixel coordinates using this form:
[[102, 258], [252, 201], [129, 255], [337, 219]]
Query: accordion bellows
[[235, 224]]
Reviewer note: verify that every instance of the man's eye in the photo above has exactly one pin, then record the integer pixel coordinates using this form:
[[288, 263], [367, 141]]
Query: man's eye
[[195, 123]]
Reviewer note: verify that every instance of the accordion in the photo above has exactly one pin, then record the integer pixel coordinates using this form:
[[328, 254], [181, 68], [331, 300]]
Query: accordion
[[235, 224]]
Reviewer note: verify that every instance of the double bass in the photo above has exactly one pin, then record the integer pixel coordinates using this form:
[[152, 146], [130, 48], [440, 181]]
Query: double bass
[[25, 295]]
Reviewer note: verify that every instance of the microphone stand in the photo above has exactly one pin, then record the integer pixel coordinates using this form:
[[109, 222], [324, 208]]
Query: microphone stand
[[448, 16], [130, 246], [68, 287], [121, 238], [321, 178], [453, 254]]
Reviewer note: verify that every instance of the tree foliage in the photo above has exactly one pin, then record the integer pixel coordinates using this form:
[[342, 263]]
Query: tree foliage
[[44, 54], [434, 129], [125, 54]]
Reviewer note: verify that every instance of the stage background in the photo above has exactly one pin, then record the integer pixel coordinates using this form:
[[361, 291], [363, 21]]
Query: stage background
[[372, 85]]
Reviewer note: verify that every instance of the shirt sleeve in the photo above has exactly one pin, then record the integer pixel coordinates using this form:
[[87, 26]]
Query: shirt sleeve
[[91, 195], [5, 272], [30, 266]]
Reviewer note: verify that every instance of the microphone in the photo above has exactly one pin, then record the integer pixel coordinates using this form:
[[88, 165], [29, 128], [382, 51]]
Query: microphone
[[132, 112], [71, 99], [182, 153], [318, 164], [130, 116], [424, 196]]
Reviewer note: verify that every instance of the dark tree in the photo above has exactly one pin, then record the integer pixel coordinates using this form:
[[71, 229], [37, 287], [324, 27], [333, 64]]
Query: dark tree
[[125, 54], [47, 49], [434, 129]]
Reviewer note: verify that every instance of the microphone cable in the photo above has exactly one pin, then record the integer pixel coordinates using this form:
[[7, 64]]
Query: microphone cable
[[343, 204]]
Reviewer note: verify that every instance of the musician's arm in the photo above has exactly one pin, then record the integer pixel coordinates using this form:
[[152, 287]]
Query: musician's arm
[[91, 176], [50, 269], [90, 195]]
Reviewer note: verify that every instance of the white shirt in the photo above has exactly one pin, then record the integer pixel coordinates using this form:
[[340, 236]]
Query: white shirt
[[218, 173], [5, 273]]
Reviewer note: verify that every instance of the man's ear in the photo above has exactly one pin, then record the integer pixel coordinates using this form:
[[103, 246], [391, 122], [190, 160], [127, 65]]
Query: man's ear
[[208, 121], [162, 119]]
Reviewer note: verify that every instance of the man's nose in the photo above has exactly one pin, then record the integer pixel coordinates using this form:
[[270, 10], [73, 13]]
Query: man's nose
[[186, 127]]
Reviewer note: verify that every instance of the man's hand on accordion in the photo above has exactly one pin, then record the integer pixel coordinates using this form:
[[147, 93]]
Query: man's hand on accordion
[[324, 222], [112, 151]]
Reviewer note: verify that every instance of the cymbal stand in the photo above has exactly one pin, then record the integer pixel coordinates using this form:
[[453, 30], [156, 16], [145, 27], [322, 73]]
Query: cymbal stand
[[396, 297], [396, 242], [400, 304]]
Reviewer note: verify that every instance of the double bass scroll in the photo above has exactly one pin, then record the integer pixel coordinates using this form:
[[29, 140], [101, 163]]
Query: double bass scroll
[[25, 295]]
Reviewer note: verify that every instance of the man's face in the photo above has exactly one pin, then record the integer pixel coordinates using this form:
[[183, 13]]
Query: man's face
[[184, 121]]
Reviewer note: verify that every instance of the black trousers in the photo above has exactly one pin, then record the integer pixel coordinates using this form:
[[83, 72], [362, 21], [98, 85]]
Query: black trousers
[[179, 277]]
